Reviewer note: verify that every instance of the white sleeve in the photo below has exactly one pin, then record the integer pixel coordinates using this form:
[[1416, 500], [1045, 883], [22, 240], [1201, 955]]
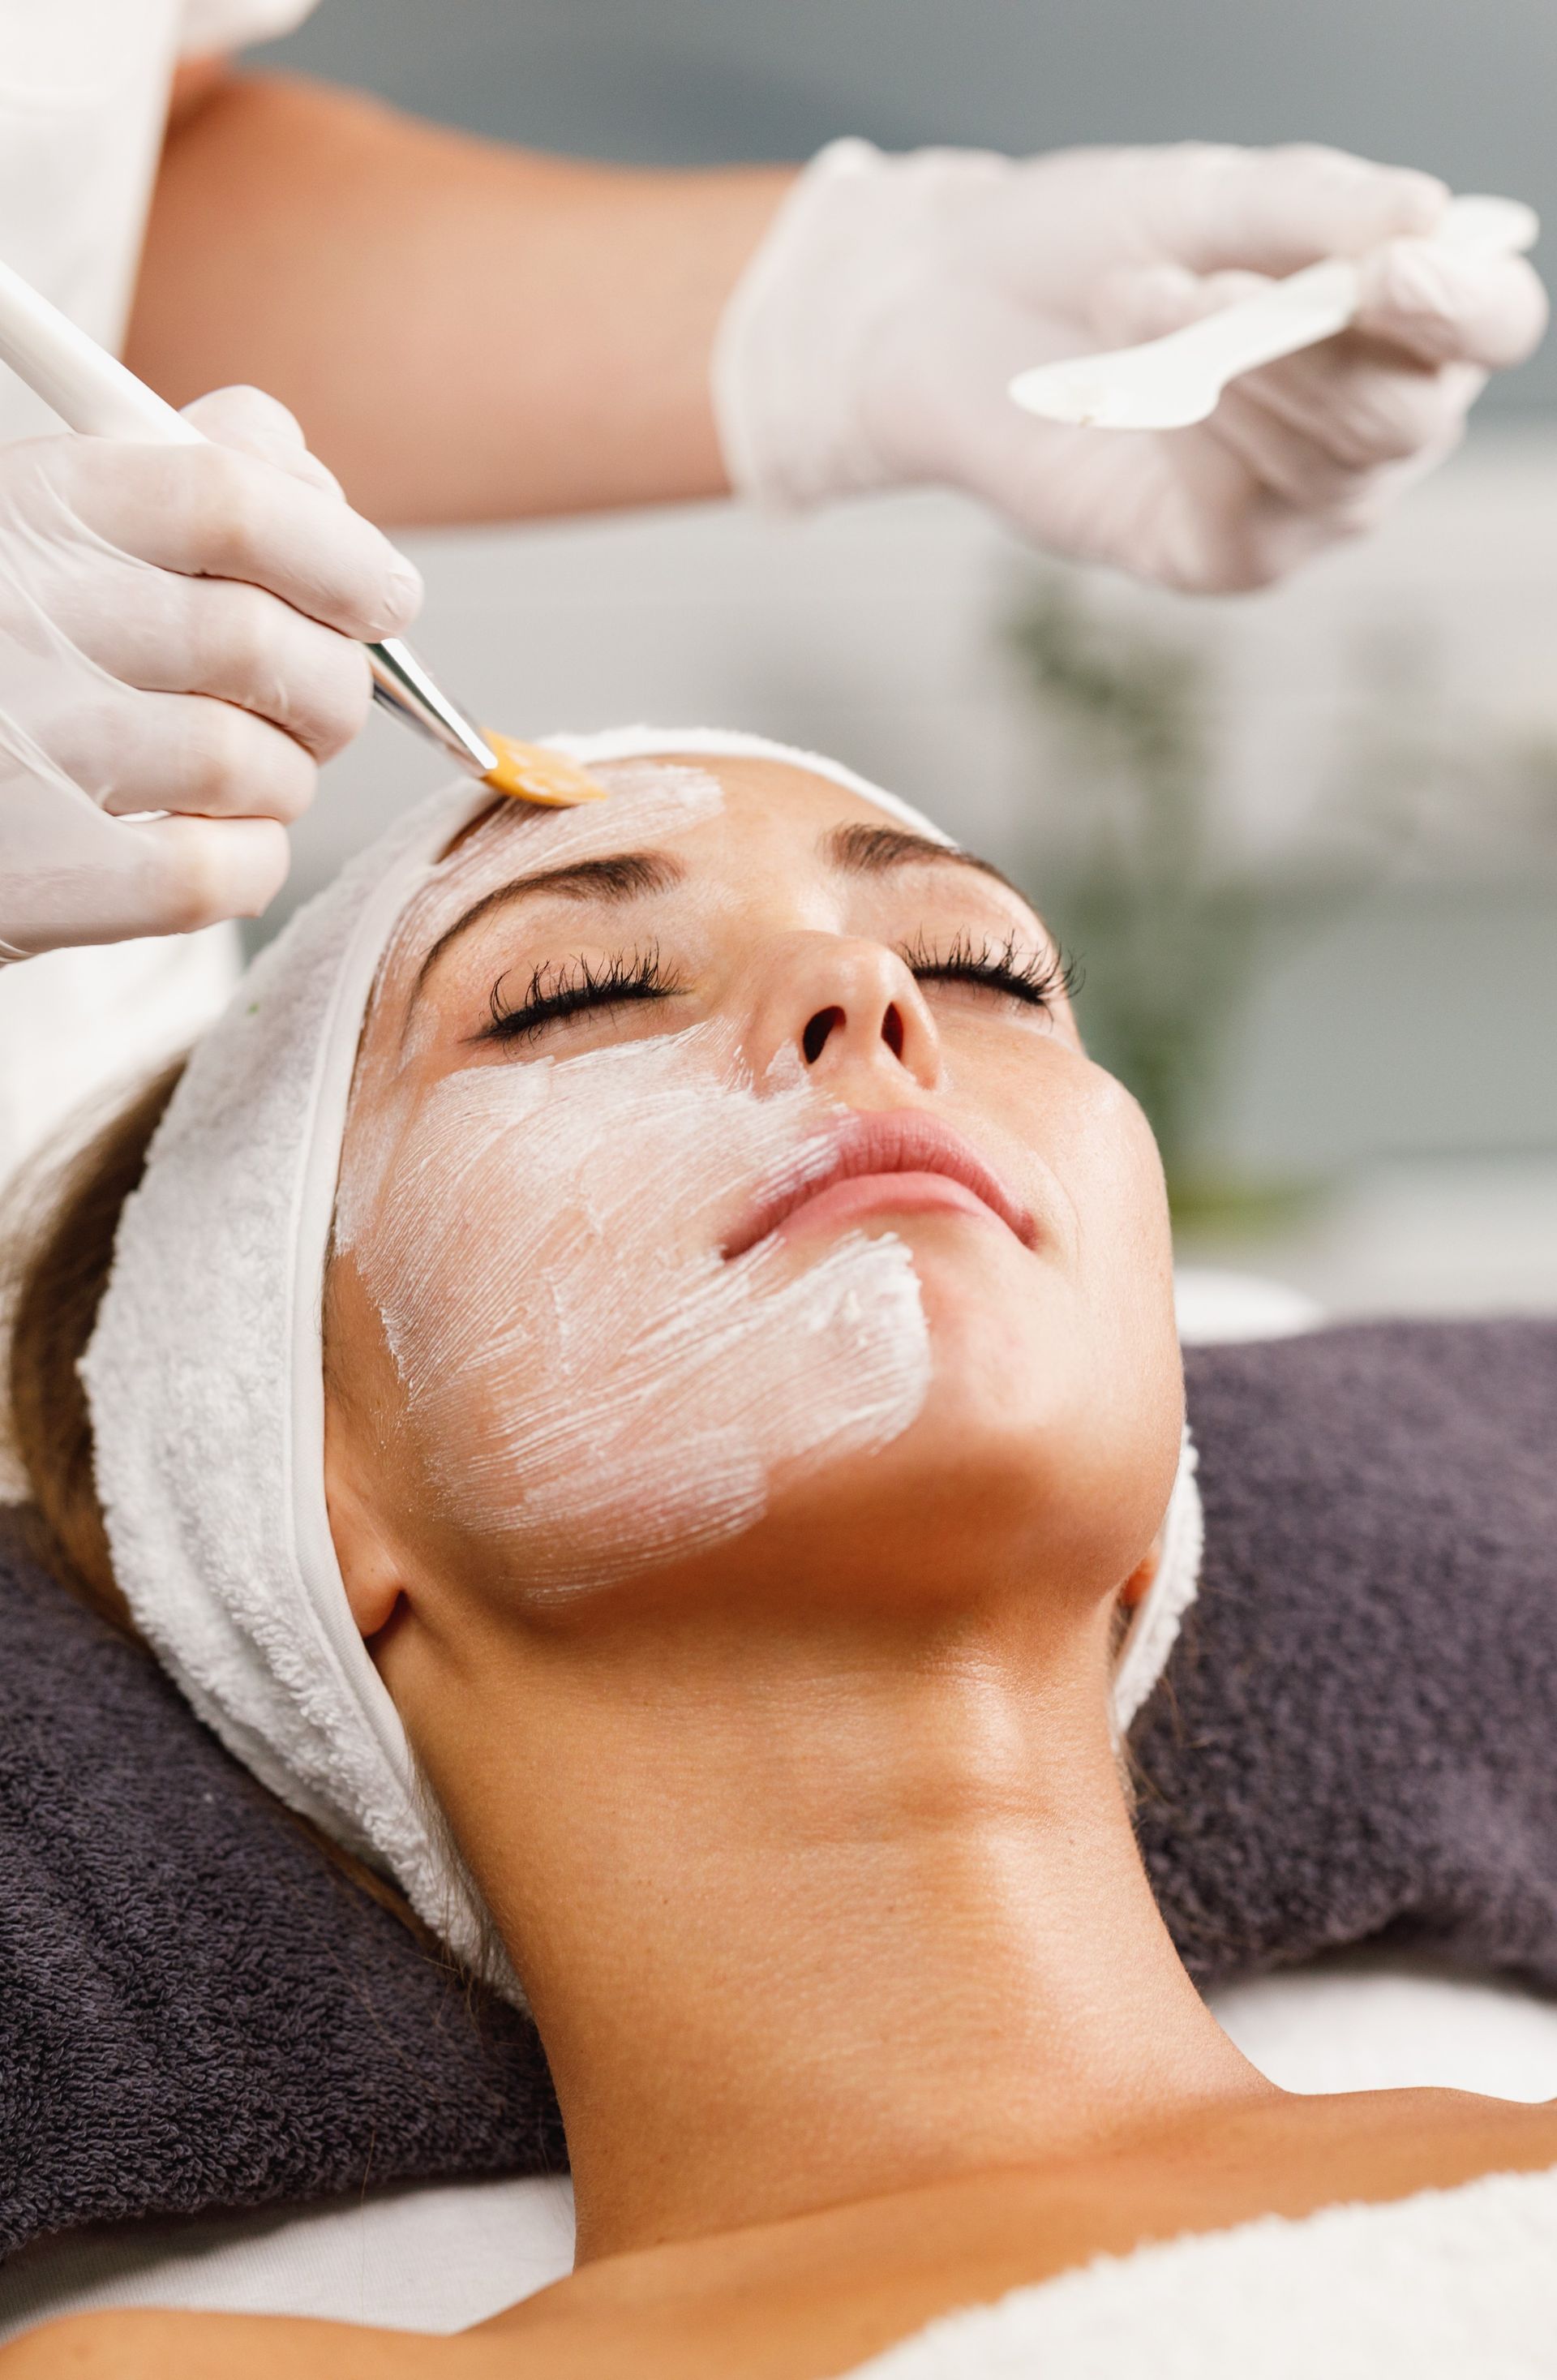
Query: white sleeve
[[213, 25]]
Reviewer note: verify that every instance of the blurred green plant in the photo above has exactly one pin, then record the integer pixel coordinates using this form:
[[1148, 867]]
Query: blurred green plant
[[1146, 880]]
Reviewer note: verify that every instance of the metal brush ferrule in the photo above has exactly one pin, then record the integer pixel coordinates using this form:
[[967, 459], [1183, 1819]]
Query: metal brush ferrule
[[401, 684]]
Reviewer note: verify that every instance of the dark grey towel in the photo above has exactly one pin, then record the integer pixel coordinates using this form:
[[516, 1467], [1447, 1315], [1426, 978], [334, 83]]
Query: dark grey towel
[[197, 2009], [1358, 1741], [1355, 1742]]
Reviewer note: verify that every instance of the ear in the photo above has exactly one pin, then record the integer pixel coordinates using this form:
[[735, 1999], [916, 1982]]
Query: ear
[[365, 1545], [1136, 1586], [357, 1418], [368, 1565]]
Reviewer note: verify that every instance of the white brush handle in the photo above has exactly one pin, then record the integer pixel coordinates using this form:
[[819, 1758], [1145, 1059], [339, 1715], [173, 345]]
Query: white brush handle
[[94, 393], [89, 389]]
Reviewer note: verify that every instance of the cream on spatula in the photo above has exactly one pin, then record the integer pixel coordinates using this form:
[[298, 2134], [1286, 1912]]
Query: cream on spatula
[[1172, 381], [94, 393]]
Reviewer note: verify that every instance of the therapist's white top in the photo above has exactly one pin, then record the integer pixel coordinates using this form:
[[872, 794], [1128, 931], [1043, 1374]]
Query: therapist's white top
[[83, 102]]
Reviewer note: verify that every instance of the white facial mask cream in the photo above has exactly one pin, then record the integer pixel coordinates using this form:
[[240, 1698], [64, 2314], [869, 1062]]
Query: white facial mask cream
[[649, 800], [588, 1375]]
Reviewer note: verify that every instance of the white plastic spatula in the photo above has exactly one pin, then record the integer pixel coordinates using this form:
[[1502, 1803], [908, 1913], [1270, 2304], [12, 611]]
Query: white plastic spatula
[[1172, 381]]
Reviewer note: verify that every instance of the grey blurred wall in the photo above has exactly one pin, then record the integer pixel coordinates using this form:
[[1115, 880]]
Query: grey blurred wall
[[1464, 87]]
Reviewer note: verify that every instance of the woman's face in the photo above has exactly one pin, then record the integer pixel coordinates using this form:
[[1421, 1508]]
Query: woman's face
[[727, 1205]]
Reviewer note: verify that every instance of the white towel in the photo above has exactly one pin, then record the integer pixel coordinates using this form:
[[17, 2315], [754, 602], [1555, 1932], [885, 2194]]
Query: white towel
[[205, 1381]]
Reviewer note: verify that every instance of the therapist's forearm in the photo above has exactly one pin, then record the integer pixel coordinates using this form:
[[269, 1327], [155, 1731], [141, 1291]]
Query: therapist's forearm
[[465, 331]]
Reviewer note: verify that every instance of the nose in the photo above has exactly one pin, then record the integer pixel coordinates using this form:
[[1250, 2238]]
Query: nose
[[843, 1007]]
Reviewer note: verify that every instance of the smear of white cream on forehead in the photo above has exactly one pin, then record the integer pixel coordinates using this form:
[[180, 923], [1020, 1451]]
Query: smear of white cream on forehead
[[649, 798], [588, 1375]]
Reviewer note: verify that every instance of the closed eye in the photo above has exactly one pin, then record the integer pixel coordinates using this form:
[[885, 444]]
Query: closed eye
[[1041, 978], [554, 993]]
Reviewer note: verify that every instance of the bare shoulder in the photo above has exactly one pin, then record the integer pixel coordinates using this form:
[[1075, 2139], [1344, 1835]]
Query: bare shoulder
[[821, 2293], [1424, 2138], [84, 2344], [150, 2345], [1277, 2153], [1294, 2154]]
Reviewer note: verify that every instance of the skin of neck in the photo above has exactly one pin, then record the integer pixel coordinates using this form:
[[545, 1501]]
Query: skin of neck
[[812, 1903]]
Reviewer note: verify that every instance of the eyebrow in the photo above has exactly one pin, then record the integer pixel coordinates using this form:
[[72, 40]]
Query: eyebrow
[[861, 850], [623, 876], [855, 850]]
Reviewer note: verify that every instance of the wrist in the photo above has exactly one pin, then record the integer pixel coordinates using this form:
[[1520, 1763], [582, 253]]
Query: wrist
[[825, 331], [776, 366]]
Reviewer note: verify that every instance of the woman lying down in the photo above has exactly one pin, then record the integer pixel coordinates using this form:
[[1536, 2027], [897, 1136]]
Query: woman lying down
[[639, 1392]]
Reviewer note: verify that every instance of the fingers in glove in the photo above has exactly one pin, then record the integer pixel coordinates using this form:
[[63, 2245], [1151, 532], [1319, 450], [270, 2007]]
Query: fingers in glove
[[1273, 210], [217, 637], [211, 512], [190, 872], [255, 424], [1343, 411], [152, 876], [1346, 408], [1420, 300], [1290, 464], [1132, 306], [1443, 304], [183, 752]]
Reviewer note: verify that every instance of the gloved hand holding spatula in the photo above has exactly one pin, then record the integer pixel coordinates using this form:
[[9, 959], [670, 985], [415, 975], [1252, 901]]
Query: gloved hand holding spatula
[[875, 334]]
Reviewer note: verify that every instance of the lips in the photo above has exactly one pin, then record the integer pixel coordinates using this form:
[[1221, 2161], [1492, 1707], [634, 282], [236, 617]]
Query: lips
[[902, 1160]]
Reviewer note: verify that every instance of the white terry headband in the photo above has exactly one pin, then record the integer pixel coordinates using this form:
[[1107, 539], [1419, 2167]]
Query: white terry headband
[[205, 1380]]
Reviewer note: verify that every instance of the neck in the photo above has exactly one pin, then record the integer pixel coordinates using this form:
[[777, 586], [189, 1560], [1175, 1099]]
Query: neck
[[806, 1917]]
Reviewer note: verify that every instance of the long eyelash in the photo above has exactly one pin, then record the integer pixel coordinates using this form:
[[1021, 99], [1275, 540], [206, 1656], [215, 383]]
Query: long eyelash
[[1039, 977], [555, 992]]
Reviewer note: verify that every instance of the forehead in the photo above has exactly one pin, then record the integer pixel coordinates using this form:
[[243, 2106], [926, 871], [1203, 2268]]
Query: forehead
[[724, 820], [709, 802], [778, 798]]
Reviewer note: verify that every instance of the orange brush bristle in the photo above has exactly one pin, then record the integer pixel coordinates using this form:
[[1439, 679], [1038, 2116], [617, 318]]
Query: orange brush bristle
[[529, 773]]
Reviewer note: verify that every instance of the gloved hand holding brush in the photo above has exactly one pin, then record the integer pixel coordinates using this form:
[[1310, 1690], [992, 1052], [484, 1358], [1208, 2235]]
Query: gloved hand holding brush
[[178, 635]]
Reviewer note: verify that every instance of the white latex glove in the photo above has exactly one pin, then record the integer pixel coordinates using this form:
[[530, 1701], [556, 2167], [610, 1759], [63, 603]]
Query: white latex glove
[[871, 339], [178, 629]]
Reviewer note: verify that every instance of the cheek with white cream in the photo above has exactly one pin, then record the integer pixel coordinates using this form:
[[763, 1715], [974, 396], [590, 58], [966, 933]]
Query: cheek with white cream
[[583, 1369], [585, 1373]]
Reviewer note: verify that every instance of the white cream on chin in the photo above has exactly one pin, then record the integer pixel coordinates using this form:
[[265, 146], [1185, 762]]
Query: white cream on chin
[[587, 1374]]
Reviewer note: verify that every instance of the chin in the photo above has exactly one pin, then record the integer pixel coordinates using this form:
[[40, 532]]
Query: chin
[[1017, 1342], [1043, 1450]]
